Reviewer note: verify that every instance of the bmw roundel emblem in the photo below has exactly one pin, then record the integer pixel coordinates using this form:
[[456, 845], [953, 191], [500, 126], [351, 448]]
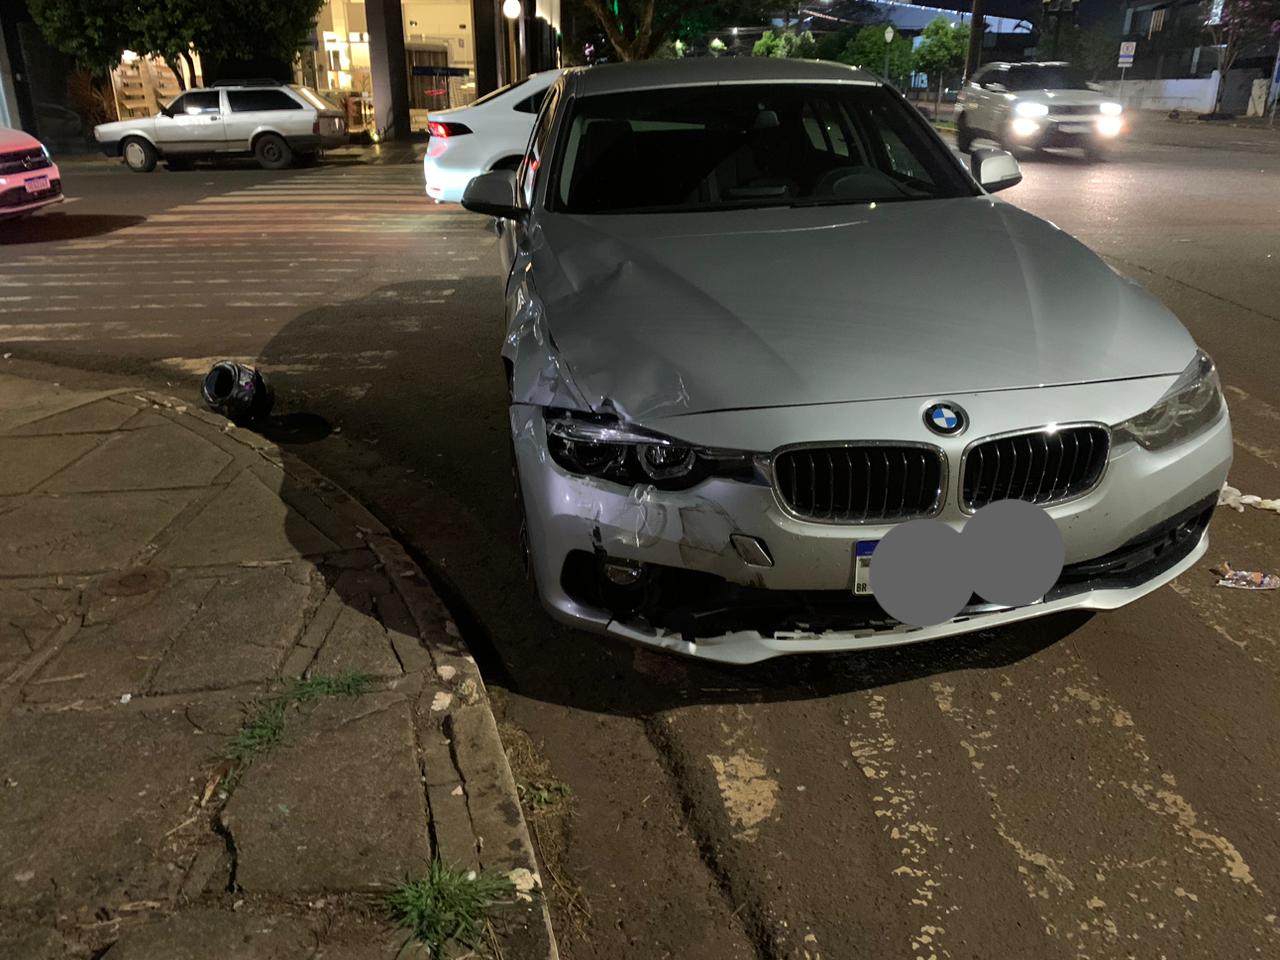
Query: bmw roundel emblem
[[946, 419]]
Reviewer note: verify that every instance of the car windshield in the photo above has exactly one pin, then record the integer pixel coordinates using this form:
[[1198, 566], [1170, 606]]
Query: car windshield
[[1046, 78], [746, 145]]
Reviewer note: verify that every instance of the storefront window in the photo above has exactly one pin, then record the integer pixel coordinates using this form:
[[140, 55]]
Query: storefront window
[[438, 49]]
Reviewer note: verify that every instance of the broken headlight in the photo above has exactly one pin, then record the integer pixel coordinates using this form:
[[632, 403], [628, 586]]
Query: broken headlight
[[1191, 404], [603, 447]]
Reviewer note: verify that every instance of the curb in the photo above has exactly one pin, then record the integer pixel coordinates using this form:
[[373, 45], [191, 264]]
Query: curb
[[474, 807]]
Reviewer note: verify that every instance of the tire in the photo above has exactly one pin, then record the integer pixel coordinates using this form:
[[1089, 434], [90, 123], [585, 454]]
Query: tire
[[1095, 152], [272, 153], [139, 155], [508, 163], [964, 136]]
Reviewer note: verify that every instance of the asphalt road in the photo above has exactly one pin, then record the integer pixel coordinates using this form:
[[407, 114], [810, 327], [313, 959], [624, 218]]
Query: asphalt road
[[1071, 788]]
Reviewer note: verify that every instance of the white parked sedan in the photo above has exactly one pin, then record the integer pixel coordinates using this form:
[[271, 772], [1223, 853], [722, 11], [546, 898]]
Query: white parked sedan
[[757, 317], [29, 179], [490, 133]]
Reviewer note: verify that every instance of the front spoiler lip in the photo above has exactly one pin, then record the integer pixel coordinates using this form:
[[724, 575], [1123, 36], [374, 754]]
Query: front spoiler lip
[[748, 646]]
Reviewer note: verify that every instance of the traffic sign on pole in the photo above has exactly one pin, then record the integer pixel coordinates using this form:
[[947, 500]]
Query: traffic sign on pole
[[1127, 50]]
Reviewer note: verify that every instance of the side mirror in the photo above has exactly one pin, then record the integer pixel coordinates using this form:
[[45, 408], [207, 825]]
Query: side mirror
[[166, 112], [995, 169], [494, 193]]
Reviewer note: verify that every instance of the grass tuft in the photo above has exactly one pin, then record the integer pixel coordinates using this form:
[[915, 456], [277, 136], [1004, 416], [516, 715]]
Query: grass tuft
[[448, 905], [342, 685], [538, 795], [264, 728]]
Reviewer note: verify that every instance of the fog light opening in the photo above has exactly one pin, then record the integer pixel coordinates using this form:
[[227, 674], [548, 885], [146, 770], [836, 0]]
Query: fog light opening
[[623, 573]]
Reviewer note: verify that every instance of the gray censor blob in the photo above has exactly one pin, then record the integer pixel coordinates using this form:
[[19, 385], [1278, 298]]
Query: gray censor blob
[[1014, 552], [919, 574]]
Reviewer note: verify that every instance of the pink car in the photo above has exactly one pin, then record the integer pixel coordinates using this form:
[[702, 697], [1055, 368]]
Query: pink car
[[29, 179]]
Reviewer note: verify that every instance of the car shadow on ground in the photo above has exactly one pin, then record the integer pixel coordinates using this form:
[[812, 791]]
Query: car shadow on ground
[[413, 383], [52, 226]]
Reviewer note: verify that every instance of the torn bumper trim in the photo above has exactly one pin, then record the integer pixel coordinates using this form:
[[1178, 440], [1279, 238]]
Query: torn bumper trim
[[691, 531]]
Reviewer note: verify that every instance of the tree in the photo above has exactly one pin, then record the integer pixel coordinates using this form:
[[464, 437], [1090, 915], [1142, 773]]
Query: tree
[[92, 32], [97, 32], [786, 44], [637, 29], [1092, 49], [942, 50], [1236, 25], [867, 49]]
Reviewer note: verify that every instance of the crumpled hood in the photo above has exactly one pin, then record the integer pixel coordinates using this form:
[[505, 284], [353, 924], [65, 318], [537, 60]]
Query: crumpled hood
[[658, 315]]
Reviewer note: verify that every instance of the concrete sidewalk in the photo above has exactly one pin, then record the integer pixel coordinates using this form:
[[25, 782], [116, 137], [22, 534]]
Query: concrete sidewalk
[[234, 713]]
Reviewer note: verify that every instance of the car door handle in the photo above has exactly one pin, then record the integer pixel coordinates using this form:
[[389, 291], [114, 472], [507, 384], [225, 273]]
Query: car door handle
[[215, 117]]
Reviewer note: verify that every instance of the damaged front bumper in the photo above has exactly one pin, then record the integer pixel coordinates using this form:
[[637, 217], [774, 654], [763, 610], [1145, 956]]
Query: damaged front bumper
[[722, 572]]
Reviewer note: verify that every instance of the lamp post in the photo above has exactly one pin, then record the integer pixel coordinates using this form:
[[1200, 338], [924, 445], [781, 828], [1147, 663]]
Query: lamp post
[[888, 40], [514, 10]]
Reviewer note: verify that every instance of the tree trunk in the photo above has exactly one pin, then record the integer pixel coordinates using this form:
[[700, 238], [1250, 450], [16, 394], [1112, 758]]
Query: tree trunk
[[191, 67]]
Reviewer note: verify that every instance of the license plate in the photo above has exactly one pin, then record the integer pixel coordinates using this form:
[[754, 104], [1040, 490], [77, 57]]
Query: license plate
[[1074, 127], [37, 185], [862, 551]]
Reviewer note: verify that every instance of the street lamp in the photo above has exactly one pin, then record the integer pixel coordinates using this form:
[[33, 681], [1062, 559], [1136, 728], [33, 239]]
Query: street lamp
[[888, 39], [511, 9]]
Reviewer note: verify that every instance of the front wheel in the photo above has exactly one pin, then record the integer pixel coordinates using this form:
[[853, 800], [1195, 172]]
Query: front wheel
[[272, 153], [139, 155]]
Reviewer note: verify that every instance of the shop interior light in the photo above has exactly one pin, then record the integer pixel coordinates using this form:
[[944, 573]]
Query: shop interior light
[[511, 9]]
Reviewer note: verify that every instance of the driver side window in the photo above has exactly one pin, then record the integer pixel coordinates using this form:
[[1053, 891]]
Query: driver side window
[[527, 176]]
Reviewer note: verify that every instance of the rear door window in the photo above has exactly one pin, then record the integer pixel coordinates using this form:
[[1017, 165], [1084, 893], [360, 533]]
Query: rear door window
[[197, 102], [247, 101]]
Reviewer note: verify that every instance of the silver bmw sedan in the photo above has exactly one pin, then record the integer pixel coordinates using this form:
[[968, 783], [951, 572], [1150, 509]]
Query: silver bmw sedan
[[758, 315]]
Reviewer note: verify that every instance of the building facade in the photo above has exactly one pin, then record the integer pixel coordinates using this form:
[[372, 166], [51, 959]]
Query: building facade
[[386, 62], [389, 62]]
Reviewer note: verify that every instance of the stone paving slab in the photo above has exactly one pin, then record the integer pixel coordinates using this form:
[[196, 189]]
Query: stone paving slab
[[340, 806], [20, 405], [28, 461], [245, 521], [119, 657], [205, 934], [163, 577], [100, 416], [101, 839], [247, 623], [156, 458], [51, 535]]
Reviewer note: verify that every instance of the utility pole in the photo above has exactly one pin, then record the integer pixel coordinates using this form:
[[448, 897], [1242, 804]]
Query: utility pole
[[977, 27]]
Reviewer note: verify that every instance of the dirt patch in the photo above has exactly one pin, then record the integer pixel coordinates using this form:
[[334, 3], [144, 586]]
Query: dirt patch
[[548, 804]]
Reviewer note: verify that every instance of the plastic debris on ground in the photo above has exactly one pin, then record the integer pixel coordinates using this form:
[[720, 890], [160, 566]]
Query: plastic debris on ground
[[1245, 579], [1229, 496]]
